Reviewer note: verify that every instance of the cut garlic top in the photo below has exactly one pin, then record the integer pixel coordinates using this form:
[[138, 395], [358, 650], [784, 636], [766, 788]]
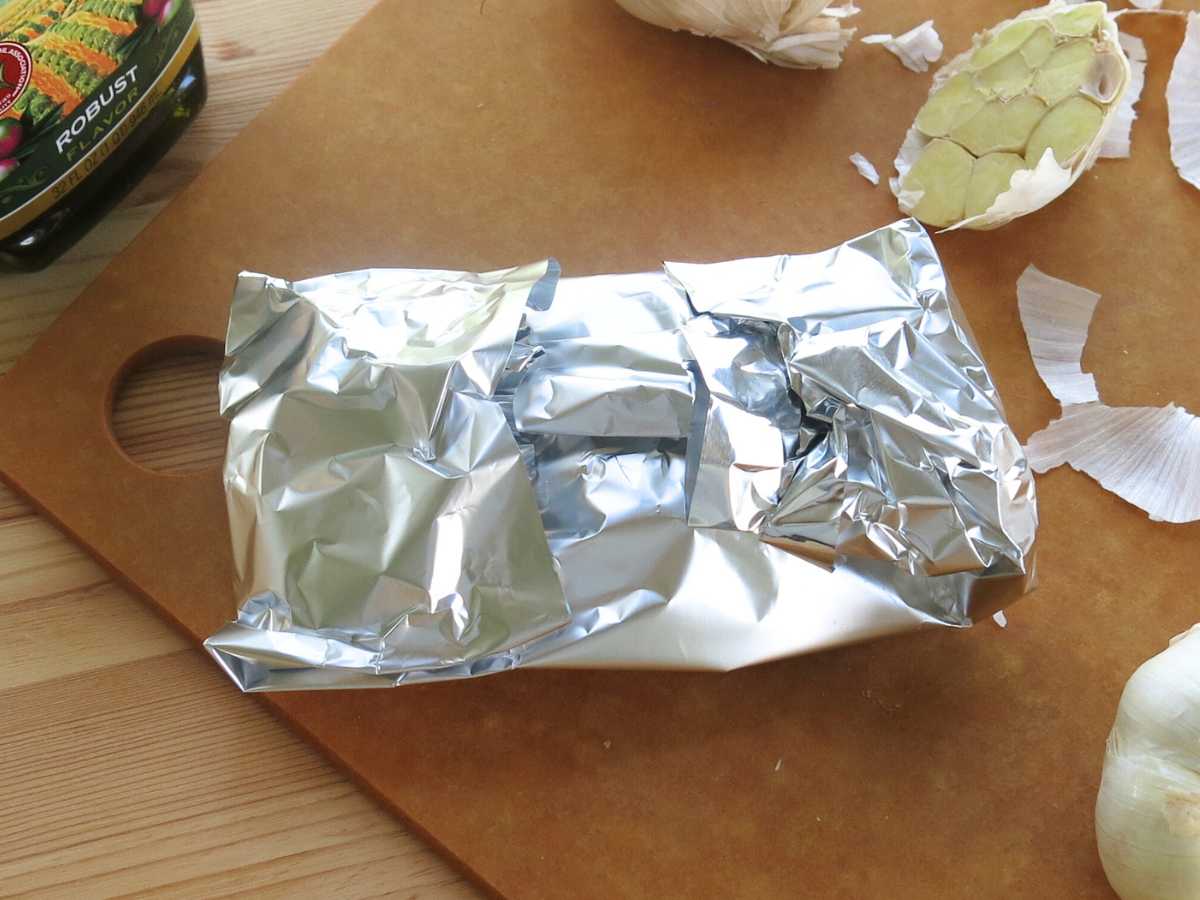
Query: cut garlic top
[[1011, 123]]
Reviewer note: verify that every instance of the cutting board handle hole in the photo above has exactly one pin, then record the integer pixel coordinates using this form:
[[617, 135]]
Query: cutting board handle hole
[[162, 409]]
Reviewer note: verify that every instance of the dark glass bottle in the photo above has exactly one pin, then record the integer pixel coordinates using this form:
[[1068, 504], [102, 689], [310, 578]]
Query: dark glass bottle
[[122, 101]]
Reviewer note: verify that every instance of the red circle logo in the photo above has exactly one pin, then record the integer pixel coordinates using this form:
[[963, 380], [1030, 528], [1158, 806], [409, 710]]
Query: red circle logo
[[16, 67]]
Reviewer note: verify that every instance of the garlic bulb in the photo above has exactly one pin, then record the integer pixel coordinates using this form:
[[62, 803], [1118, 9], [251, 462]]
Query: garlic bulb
[[801, 34], [1148, 808], [1011, 123]]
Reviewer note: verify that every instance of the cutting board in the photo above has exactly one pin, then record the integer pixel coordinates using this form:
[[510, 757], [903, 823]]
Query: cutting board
[[467, 135]]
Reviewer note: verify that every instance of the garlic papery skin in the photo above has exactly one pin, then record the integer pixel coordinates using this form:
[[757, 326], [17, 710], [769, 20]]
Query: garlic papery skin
[[1148, 808], [1183, 104], [798, 34], [916, 48]]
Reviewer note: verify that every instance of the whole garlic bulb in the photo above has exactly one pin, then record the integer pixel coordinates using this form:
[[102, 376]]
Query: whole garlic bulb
[[1148, 808], [801, 34]]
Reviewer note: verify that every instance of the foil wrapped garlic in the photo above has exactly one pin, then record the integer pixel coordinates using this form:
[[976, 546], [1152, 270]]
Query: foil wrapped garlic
[[438, 474], [1010, 124], [798, 34]]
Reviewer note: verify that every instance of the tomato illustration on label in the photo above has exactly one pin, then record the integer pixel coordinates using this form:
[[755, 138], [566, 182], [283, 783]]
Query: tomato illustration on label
[[16, 67]]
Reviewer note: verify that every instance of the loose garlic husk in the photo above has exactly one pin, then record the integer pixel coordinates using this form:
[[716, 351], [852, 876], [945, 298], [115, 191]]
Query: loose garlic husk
[[801, 34], [1183, 104], [1148, 808], [1011, 123]]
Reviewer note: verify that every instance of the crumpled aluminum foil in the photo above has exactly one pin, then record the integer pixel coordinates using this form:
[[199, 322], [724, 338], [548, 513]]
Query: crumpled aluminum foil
[[440, 474]]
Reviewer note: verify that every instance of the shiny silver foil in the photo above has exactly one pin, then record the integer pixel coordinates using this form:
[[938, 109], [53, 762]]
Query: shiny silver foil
[[440, 474]]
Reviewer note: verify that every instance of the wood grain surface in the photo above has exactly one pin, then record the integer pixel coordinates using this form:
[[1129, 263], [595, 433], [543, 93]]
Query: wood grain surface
[[894, 769], [127, 765]]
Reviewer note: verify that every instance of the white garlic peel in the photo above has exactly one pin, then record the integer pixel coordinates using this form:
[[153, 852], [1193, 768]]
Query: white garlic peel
[[1146, 455], [799, 34], [1056, 315], [1117, 141], [1183, 104], [1148, 807], [1032, 100], [865, 169], [916, 48]]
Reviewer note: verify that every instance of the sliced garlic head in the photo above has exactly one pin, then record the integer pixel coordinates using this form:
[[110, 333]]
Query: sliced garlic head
[[1050, 79]]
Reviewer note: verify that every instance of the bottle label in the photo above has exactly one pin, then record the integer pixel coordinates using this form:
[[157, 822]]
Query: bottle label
[[76, 79]]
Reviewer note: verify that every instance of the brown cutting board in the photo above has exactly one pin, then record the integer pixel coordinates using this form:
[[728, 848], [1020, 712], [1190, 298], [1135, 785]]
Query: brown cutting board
[[468, 135]]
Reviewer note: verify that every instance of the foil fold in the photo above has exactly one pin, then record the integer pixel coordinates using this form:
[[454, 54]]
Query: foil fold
[[438, 474]]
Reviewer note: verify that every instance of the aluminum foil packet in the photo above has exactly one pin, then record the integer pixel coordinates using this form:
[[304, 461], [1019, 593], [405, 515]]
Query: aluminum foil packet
[[437, 474]]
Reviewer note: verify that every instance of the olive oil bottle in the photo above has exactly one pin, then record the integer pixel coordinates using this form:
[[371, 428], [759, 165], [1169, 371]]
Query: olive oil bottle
[[92, 94]]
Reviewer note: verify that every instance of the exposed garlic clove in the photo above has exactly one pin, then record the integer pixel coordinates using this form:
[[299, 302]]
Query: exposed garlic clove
[[940, 176], [990, 177], [1065, 71], [1038, 48], [1007, 78], [1004, 42], [1067, 130], [951, 105], [1000, 126], [1079, 21]]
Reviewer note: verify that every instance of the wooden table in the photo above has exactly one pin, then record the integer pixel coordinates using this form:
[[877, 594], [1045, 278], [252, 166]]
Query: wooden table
[[128, 763]]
